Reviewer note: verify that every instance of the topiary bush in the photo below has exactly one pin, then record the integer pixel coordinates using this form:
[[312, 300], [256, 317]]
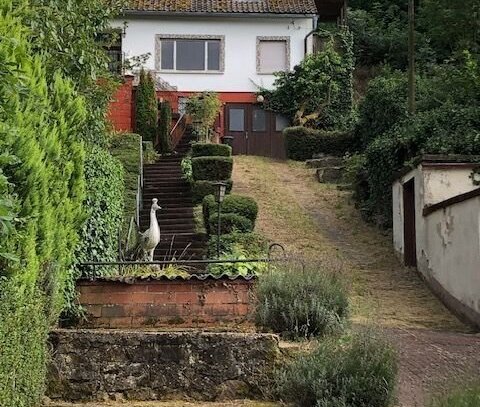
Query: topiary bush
[[212, 168], [358, 370], [301, 302], [230, 222], [241, 205], [200, 189], [303, 143], [210, 149]]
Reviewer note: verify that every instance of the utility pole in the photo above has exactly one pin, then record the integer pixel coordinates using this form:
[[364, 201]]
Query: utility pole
[[411, 57]]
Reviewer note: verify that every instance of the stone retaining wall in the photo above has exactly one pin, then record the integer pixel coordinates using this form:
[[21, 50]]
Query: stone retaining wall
[[154, 303], [103, 364]]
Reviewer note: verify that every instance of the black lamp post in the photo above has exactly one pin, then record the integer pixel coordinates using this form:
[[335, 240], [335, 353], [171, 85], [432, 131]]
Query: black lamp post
[[220, 189]]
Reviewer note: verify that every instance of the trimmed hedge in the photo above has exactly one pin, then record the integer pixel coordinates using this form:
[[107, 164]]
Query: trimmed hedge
[[210, 149], [303, 143], [231, 222], [241, 205], [212, 168], [200, 189]]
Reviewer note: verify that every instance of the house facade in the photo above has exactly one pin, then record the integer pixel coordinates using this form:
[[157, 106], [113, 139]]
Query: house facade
[[436, 228], [231, 47]]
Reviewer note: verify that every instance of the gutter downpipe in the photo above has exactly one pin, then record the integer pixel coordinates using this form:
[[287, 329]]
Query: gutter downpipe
[[315, 26]]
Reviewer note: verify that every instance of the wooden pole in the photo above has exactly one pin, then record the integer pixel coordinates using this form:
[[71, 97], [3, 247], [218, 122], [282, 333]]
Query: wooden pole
[[411, 58]]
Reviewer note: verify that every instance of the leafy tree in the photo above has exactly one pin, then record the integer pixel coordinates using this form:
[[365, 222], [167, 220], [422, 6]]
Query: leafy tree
[[317, 93], [146, 107]]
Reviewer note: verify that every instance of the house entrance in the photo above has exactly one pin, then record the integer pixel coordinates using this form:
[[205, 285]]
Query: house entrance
[[409, 226], [255, 131]]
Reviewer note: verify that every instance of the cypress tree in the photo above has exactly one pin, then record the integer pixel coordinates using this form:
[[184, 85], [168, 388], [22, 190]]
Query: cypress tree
[[146, 107], [164, 128]]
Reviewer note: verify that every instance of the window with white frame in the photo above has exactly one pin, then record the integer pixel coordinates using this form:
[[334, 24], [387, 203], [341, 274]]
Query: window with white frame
[[190, 54], [273, 54]]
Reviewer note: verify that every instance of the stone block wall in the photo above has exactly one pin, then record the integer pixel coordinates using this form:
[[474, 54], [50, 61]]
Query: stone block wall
[[155, 303], [114, 364]]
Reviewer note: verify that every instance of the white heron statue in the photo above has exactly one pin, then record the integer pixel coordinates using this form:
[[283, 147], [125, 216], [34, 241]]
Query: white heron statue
[[149, 239]]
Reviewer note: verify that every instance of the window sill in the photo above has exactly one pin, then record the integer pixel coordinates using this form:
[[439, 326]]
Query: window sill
[[192, 72]]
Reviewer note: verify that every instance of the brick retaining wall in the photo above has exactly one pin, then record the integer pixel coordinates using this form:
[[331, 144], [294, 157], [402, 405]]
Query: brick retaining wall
[[154, 303]]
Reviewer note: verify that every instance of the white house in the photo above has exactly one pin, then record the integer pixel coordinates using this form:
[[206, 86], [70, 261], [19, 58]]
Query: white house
[[231, 47], [436, 228]]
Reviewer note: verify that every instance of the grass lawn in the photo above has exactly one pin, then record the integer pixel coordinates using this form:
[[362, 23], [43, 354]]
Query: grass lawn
[[319, 222]]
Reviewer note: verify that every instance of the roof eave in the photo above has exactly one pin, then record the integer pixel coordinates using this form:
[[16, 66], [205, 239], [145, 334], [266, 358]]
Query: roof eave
[[155, 13]]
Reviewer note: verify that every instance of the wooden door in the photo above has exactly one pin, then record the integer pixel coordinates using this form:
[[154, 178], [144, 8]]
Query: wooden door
[[409, 225], [255, 131], [236, 126]]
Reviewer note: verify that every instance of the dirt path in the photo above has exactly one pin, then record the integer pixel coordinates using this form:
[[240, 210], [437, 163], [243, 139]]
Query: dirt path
[[318, 221]]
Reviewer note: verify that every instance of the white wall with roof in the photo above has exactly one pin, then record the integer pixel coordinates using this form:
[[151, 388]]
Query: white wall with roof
[[240, 60]]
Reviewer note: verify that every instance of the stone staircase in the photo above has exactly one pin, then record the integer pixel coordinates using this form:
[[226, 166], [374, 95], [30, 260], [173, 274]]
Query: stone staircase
[[163, 180], [329, 169]]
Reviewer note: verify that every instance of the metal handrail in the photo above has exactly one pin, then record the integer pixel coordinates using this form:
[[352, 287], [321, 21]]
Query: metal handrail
[[165, 262], [177, 123], [140, 183]]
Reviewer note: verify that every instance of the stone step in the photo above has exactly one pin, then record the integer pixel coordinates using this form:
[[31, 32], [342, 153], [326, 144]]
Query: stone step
[[330, 175], [325, 162]]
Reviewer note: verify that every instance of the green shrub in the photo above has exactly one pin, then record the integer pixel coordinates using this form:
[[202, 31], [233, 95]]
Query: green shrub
[[146, 109], [354, 371], [241, 205], [242, 268], [463, 396], [447, 130], [126, 149], [318, 92], [303, 143], [164, 128], [301, 302], [254, 244], [210, 149], [42, 182], [212, 168], [230, 222], [200, 189], [186, 166], [104, 203], [385, 105]]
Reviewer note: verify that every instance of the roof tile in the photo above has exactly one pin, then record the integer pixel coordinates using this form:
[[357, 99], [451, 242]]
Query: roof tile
[[224, 6]]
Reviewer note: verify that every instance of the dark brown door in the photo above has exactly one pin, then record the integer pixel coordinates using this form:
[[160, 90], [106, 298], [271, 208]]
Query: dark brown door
[[409, 227], [255, 131], [236, 126]]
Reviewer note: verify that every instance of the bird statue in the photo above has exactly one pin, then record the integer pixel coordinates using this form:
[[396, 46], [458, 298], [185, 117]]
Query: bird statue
[[149, 239]]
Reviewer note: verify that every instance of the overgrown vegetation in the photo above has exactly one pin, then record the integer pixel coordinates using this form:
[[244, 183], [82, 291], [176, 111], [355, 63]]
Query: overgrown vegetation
[[52, 109], [448, 84], [356, 370], [301, 301], [318, 92], [204, 109]]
